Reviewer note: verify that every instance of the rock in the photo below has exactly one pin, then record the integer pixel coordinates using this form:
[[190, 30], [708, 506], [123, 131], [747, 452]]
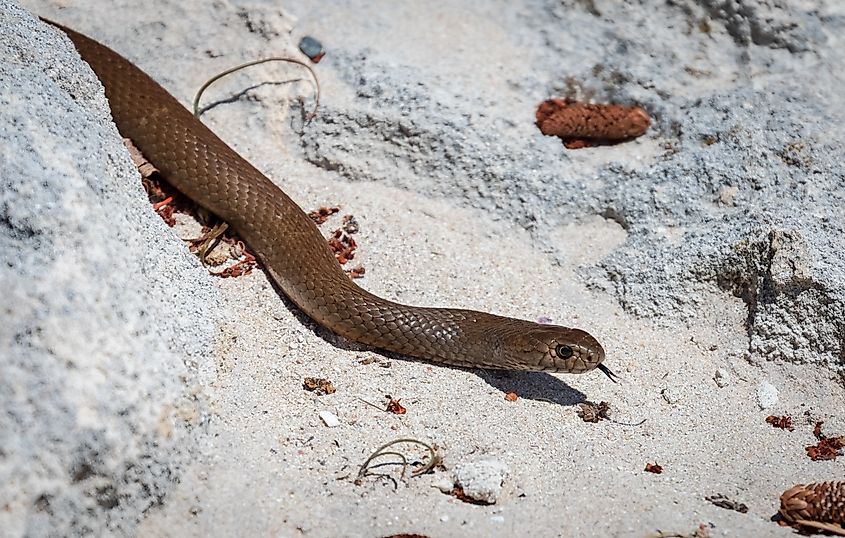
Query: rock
[[725, 179], [444, 484], [722, 378], [671, 395], [329, 419], [481, 480], [767, 395], [102, 375]]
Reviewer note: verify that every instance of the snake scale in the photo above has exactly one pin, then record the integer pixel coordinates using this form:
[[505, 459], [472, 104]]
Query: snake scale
[[295, 254]]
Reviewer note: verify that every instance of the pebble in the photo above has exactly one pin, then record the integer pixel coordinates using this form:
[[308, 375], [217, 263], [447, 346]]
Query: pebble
[[329, 419], [767, 395], [722, 378], [311, 48], [671, 395], [481, 480], [445, 485]]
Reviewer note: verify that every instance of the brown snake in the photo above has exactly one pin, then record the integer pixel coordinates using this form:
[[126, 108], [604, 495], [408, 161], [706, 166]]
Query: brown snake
[[200, 165]]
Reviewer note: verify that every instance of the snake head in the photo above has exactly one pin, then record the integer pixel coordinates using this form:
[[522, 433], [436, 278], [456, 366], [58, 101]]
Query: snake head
[[552, 348]]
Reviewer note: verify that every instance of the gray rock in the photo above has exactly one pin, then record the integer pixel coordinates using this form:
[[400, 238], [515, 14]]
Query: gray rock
[[737, 188], [481, 480], [105, 315], [767, 23]]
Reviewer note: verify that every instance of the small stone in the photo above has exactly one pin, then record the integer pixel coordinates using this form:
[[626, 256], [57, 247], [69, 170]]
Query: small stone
[[767, 395], [311, 48], [671, 395], [722, 378], [481, 480], [329, 419], [728, 194], [497, 519], [445, 484]]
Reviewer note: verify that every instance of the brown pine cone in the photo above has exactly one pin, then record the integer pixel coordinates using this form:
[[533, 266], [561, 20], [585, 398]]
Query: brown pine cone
[[584, 124], [818, 506]]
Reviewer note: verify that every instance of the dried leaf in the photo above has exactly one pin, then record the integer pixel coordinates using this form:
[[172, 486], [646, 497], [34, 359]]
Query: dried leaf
[[723, 502], [783, 422], [653, 468], [594, 412], [318, 385], [321, 215], [393, 406]]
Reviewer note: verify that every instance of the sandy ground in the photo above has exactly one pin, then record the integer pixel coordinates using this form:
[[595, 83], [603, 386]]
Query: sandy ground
[[270, 467], [274, 469]]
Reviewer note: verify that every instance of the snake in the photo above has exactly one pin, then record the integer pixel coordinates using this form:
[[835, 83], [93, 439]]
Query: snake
[[295, 254]]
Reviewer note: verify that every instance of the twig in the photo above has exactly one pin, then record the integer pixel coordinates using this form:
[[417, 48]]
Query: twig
[[434, 459], [218, 76]]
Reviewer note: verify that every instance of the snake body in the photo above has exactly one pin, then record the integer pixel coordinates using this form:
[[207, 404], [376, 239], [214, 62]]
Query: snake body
[[295, 254]]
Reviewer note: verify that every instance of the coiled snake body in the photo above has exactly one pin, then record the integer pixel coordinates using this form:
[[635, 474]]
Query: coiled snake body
[[295, 254]]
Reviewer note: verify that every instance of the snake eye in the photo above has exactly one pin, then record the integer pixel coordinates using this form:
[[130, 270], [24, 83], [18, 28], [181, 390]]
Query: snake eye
[[562, 351]]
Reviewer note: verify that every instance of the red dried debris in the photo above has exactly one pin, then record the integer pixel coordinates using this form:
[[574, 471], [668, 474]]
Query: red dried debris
[[165, 199], [166, 214], [828, 448], [342, 246], [653, 468], [355, 272], [511, 397], [246, 261], [321, 215], [784, 422], [582, 125], [241, 268], [393, 406]]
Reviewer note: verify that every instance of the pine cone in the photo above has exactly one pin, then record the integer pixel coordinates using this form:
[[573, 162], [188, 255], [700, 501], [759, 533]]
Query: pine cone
[[819, 505]]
